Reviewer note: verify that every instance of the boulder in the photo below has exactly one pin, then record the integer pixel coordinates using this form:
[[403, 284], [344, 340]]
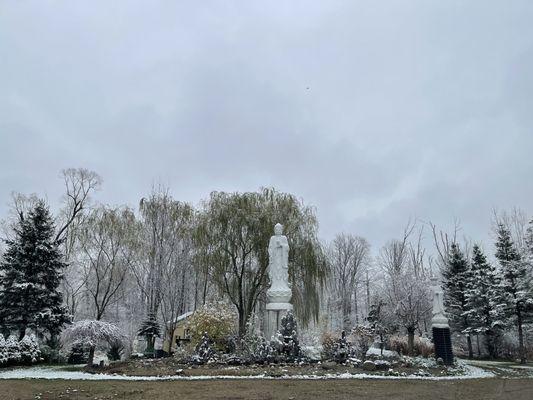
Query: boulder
[[369, 365], [382, 365], [328, 365]]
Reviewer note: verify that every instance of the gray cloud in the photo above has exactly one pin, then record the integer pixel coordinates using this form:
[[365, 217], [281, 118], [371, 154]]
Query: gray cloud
[[372, 112]]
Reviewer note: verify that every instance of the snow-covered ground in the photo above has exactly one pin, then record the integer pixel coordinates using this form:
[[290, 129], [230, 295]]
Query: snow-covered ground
[[470, 372]]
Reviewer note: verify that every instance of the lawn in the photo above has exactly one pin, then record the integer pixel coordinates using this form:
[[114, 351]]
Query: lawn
[[486, 389]]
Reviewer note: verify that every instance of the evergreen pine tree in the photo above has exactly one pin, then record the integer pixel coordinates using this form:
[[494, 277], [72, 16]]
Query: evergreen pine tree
[[31, 271], [515, 284], [150, 330], [456, 276], [485, 300]]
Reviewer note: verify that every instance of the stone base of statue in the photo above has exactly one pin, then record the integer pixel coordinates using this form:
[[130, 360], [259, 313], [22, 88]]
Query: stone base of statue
[[277, 307], [443, 345], [442, 339]]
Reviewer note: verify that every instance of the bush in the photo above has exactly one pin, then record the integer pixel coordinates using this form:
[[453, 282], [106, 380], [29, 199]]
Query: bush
[[29, 350], [328, 345], [3, 351], [217, 320], [286, 341], [363, 337], [79, 353], [204, 351], [13, 350], [115, 351], [422, 346], [337, 349], [51, 355]]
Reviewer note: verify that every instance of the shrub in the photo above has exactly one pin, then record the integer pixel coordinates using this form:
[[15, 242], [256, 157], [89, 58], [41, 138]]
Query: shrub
[[337, 349], [29, 349], [422, 346], [51, 355], [363, 337], [286, 341], [217, 320], [3, 351], [79, 353], [13, 350], [328, 345], [116, 349], [204, 351]]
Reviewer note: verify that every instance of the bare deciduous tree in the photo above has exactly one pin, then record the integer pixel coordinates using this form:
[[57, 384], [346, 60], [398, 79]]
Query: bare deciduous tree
[[105, 243], [348, 257]]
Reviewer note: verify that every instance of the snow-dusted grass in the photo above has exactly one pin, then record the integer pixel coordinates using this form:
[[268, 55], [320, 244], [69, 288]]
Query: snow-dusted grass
[[468, 372]]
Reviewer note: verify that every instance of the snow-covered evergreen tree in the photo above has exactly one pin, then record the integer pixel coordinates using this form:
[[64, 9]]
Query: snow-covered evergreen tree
[[13, 350], [31, 271], [29, 349], [484, 300], [456, 276], [286, 340], [3, 351], [515, 283], [150, 330]]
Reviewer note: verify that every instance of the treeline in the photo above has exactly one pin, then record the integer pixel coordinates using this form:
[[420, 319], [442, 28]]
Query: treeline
[[142, 268], [492, 299]]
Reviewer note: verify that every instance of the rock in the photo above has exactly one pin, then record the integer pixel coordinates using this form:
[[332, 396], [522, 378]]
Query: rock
[[234, 360], [354, 362], [328, 365], [440, 361], [369, 365], [382, 365], [180, 372]]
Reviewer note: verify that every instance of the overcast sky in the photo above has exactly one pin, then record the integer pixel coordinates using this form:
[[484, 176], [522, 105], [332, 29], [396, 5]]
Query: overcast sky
[[374, 112]]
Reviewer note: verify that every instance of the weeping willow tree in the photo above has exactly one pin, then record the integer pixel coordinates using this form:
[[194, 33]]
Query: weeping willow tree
[[237, 228]]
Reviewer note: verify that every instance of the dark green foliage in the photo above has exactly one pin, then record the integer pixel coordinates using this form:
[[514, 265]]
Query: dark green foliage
[[115, 351], [485, 300], [455, 279], [516, 284], [204, 350], [456, 276], [150, 329], [286, 342], [79, 353], [31, 271]]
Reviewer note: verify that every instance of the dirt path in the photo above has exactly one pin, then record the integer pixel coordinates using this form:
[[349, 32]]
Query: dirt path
[[486, 389]]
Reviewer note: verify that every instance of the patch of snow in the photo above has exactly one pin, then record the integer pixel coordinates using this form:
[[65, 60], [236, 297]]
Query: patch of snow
[[471, 372], [374, 351]]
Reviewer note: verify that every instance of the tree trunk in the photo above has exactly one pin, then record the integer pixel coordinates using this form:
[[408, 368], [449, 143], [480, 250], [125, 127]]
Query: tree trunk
[[469, 343], [521, 349], [478, 348], [410, 340], [22, 333], [242, 323], [90, 360]]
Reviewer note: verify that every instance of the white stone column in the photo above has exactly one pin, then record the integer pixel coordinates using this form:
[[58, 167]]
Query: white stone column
[[275, 312]]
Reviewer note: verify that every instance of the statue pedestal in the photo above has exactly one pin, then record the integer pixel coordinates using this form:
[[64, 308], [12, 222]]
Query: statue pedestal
[[440, 328], [277, 307], [274, 313]]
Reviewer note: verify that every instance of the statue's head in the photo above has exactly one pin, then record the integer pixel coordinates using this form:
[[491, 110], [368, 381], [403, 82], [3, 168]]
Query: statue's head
[[278, 229]]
